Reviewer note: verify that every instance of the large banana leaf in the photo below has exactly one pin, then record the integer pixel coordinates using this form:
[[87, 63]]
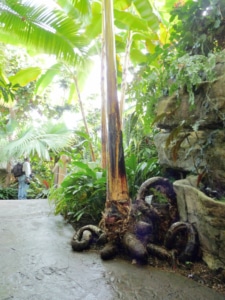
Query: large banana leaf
[[147, 13], [24, 76], [126, 20], [94, 27]]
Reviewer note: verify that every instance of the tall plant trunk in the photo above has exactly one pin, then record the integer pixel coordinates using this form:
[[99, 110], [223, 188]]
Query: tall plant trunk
[[116, 216], [103, 97], [84, 117]]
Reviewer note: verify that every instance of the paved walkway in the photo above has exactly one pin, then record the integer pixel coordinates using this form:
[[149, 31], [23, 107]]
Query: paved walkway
[[36, 262]]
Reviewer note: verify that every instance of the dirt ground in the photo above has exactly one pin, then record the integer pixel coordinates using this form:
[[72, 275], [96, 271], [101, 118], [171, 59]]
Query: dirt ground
[[197, 271]]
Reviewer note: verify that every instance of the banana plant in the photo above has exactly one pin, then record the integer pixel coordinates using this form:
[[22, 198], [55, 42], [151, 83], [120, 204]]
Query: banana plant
[[117, 187]]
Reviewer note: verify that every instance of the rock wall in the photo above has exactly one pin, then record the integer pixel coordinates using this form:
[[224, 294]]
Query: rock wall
[[192, 140], [207, 216]]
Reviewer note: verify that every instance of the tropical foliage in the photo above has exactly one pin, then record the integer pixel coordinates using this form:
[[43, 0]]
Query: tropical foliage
[[200, 26], [9, 193], [168, 50], [82, 193], [45, 28], [37, 140]]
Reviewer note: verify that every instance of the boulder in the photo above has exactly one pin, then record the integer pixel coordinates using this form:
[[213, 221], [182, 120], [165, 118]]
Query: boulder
[[182, 157], [208, 218], [194, 152]]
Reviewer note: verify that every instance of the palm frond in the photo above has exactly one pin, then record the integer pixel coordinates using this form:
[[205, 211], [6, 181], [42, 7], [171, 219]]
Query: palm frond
[[43, 28], [37, 141]]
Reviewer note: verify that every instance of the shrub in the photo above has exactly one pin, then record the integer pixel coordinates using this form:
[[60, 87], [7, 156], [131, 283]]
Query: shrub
[[82, 194]]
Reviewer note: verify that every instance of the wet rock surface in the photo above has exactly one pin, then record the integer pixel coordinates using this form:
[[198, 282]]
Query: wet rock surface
[[37, 262]]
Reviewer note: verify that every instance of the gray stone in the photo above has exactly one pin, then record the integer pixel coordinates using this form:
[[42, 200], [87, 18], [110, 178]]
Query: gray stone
[[207, 216], [201, 150], [192, 139], [181, 157]]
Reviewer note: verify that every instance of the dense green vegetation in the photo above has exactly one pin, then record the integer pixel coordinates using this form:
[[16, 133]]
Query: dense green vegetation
[[172, 45]]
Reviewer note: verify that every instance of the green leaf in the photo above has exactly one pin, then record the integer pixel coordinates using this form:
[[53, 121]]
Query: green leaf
[[84, 6], [137, 56], [146, 12], [150, 46], [4, 94], [23, 77], [85, 167], [169, 5], [3, 78], [72, 93], [95, 28], [131, 162], [129, 21], [7, 38], [47, 78], [122, 4], [81, 165], [82, 134], [145, 36], [80, 214], [68, 8]]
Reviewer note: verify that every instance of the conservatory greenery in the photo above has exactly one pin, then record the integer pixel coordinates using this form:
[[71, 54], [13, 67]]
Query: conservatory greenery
[[160, 47]]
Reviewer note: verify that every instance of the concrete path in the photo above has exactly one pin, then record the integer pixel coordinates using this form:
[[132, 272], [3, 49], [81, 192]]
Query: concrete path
[[36, 262]]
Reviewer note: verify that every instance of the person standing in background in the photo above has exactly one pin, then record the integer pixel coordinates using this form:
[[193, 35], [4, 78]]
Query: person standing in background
[[24, 180]]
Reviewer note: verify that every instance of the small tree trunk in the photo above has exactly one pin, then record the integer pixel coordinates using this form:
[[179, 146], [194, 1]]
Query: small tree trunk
[[84, 117], [9, 163]]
